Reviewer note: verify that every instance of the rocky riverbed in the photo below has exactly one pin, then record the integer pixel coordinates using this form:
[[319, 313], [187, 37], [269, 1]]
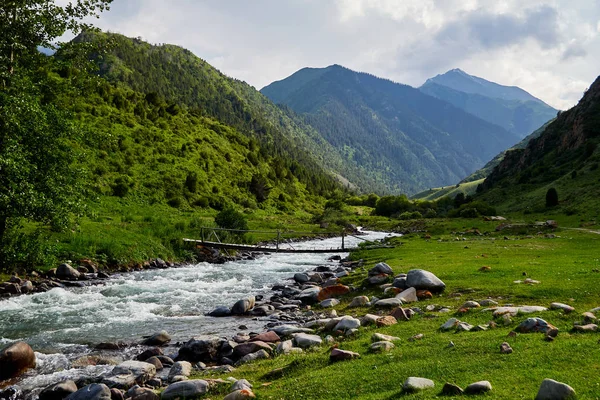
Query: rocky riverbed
[[82, 332]]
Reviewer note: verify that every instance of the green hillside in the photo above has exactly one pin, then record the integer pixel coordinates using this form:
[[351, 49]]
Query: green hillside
[[466, 188], [564, 157], [396, 135], [489, 167]]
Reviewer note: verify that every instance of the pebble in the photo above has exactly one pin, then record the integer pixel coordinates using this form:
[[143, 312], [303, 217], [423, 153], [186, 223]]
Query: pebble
[[416, 337], [505, 348], [451, 389], [383, 346], [341, 355], [359, 301], [561, 306], [378, 337], [470, 304], [450, 324]]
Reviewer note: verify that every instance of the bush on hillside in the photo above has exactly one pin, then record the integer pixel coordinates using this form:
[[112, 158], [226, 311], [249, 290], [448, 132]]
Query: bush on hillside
[[229, 218], [551, 198]]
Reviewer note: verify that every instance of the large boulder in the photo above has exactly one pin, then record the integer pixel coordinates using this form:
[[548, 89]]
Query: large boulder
[[414, 384], [16, 358], [347, 323], [553, 390], [185, 390], [194, 350], [65, 271], [342, 355], [359, 301], [221, 311], [243, 306], [424, 280], [58, 391], [158, 339], [95, 391]]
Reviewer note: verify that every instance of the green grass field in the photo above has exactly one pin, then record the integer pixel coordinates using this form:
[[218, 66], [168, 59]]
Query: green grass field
[[567, 267], [451, 191]]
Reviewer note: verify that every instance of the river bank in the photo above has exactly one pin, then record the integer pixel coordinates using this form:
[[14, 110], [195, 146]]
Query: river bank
[[130, 305]]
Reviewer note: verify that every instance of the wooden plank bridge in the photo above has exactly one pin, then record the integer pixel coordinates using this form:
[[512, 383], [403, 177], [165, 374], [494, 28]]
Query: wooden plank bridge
[[210, 238]]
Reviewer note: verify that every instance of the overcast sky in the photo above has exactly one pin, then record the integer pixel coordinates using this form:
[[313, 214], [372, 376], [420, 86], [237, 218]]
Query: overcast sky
[[551, 48]]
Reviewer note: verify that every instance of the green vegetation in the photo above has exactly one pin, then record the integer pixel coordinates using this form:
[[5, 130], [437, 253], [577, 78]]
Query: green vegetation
[[565, 265], [564, 156], [467, 189], [393, 138]]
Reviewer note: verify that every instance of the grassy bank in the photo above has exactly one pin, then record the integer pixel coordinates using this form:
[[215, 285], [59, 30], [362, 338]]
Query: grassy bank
[[567, 266]]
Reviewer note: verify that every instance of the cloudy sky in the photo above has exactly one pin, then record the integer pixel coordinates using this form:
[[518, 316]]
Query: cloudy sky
[[551, 48]]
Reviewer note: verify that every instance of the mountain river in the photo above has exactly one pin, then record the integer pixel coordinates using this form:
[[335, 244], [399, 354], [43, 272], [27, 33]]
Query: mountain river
[[63, 325]]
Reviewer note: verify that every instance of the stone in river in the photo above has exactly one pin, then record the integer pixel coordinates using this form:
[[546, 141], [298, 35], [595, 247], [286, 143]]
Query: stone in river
[[146, 354], [95, 391], [221, 311], [413, 384], [424, 280], [195, 350], [158, 339], [301, 277], [243, 306], [65, 271], [156, 362], [554, 390], [185, 389], [58, 391], [16, 358], [478, 387]]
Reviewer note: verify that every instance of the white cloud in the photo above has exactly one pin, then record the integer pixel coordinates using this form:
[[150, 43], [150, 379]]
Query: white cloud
[[549, 47]]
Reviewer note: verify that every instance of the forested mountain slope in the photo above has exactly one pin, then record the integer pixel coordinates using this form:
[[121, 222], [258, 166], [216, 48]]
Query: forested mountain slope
[[185, 82], [396, 134], [565, 156], [507, 106]]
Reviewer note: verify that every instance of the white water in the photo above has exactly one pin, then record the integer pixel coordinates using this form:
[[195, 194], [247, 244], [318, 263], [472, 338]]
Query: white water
[[129, 306]]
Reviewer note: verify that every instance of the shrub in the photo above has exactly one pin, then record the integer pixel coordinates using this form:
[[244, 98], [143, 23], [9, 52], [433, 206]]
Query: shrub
[[229, 218], [551, 198], [410, 215]]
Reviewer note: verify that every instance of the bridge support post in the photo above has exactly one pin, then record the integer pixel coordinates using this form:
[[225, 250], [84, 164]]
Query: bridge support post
[[278, 239], [202, 234]]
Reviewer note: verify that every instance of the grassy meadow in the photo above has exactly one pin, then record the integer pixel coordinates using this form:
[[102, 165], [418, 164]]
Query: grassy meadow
[[567, 266]]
